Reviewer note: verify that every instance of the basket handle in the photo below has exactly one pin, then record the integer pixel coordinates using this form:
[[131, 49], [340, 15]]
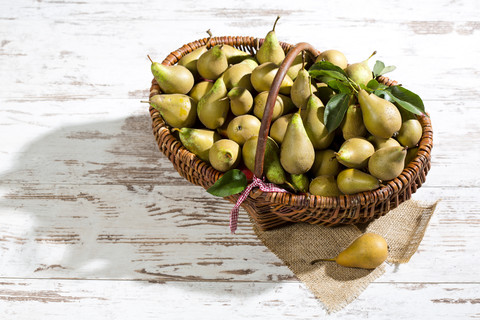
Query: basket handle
[[272, 98]]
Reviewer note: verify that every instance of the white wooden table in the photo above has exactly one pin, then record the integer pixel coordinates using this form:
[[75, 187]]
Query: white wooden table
[[96, 224]]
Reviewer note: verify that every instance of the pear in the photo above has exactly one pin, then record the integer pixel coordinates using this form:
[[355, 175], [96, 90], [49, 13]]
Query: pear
[[172, 79], [352, 125], [212, 63], [200, 89], [241, 100], [178, 110], [354, 153], [314, 124], [411, 154], [325, 163], [410, 133], [352, 181], [198, 141], [333, 56], [297, 64], [296, 152], [299, 182], [324, 185], [381, 117], [302, 89], [324, 92], [213, 107], [380, 143], [283, 104], [242, 128], [224, 155], [271, 166], [368, 251], [189, 60], [360, 72], [271, 50], [235, 55], [222, 130], [279, 126], [238, 75], [387, 163], [263, 75]]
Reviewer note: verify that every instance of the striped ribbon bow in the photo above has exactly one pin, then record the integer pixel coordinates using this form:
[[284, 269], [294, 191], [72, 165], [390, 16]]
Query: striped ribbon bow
[[257, 182]]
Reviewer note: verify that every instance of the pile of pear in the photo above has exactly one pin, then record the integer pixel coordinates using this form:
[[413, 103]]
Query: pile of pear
[[214, 98]]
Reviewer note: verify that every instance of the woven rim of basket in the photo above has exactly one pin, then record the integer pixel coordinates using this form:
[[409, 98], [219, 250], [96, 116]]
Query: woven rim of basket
[[174, 149]]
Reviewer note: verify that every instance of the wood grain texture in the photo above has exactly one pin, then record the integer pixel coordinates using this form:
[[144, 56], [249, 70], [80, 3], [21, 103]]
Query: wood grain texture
[[94, 220]]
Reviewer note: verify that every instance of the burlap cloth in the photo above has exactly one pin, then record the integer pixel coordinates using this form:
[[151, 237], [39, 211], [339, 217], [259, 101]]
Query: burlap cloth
[[300, 244]]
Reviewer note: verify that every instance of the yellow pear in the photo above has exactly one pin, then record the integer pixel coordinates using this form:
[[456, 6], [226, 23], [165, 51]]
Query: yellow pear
[[368, 251]]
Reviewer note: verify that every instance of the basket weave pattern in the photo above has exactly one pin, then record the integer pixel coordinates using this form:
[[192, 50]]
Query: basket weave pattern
[[273, 209]]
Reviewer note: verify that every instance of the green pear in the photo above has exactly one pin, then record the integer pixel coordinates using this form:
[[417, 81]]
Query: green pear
[[224, 155], [271, 50], [200, 89], [411, 154], [314, 124], [324, 92], [381, 117], [352, 125], [235, 55], [238, 75], [213, 107], [212, 63], [333, 56], [279, 126], [302, 89], [242, 128], [198, 141], [189, 60], [355, 152], [296, 152], [325, 163], [299, 182], [410, 133], [380, 143], [297, 64], [271, 166], [172, 79], [360, 72], [351, 181], [387, 163], [324, 185], [263, 75], [178, 110], [283, 104], [241, 100]]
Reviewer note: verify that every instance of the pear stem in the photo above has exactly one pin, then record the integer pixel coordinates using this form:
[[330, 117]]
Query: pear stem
[[319, 260], [273, 29], [149, 58], [374, 53], [228, 155], [303, 59], [209, 39], [175, 129], [143, 101]]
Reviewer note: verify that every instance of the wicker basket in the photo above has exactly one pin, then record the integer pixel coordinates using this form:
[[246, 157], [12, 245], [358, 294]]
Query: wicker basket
[[273, 209]]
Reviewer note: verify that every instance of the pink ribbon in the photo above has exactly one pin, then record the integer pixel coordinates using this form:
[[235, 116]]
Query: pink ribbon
[[257, 182]]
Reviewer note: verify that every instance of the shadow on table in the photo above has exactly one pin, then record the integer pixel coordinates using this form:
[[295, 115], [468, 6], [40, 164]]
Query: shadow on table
[[99, 201]]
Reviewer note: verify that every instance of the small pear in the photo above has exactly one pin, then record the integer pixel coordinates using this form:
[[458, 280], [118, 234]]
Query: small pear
[[333, 56], [381, 117], [238, 75], [352, 125], [235, 55], [212, 63], [360, 72], [354, 153], [178, 110], [324, 185], [297, 64], [263, 75], [368, 251], [410, 133], [351, 181], [314, 124], [241, 100], [189, 60], [302, 89], [271, 166], [242, 128], [213, 107], [296, 152], [279, 126], [172, 79], [380, 143], [300, 182], [200, 89], [387, 163], [224, 155], [411, 154], [283, 104], [325, 163], [198, 141], [271, 50]]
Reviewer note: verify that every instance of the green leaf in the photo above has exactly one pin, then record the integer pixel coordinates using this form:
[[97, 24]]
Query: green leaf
[[387, 70], [375, 85], [232, 182], [406, 95], [327, 75], [339, 86], [326, 65], [377, 68], [335, 110], [405, 104]]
